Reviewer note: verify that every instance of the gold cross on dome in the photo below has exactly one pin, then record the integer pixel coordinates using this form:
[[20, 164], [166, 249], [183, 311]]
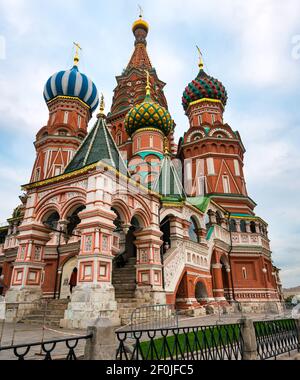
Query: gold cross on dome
[[201, 64], [76, 58], [141, 12]]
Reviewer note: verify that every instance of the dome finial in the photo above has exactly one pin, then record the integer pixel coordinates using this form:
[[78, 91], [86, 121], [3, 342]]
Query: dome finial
[[201, 63], [76, 58], [141, 12], [102, 107], [148, 86]]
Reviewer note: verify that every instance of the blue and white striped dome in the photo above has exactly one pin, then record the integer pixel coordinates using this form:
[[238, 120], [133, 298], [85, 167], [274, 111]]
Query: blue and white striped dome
[[74, 84]]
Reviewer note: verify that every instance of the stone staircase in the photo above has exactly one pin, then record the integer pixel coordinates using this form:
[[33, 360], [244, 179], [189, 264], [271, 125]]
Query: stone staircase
[[48, 312], [124, 281]]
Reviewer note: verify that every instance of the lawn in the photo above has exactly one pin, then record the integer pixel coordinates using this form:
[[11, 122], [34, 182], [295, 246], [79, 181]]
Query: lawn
[[205, 342]]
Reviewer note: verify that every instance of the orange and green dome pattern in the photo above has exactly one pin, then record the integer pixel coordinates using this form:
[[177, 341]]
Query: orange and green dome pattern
[[148, 114]]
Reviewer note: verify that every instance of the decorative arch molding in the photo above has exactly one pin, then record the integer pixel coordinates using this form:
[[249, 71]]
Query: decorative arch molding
[[166, 212], [122, 209], [196, 132], [47, 209], [57, 193], [141, 216], [66, 259], [71, 206], [221, 130]]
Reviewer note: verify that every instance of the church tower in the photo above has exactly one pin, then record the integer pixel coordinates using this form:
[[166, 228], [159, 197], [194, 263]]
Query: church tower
[[213, 153], [130, 89], [71, 98]]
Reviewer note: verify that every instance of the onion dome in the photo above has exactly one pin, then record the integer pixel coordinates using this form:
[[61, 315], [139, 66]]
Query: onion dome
[[204, 87], [148, 114], [71, 83]]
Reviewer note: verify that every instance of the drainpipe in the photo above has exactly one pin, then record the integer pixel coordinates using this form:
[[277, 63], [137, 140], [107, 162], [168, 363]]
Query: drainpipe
[[162, 254], [229, 256], [57, 264]]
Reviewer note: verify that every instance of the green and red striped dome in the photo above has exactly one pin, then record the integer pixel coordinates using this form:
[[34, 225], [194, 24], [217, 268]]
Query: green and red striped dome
[[204, 87]]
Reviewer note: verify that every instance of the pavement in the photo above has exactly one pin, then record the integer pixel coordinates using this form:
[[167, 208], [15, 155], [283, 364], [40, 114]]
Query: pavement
[[20, 333]]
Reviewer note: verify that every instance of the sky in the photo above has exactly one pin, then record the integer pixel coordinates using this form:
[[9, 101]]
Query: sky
[[252, 47]]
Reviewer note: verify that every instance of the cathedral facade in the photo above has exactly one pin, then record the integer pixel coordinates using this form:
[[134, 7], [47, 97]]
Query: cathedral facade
[[144, 220]]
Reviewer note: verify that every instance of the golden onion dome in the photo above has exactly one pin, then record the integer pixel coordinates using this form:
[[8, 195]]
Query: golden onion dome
[[140, 23]]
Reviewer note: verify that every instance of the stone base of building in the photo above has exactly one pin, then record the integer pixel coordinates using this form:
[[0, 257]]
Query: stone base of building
[[262, 307], [88, 304], [148, 296], [21, 302]]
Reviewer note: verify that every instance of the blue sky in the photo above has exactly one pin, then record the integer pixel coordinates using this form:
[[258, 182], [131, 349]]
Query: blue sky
[[252, 47]]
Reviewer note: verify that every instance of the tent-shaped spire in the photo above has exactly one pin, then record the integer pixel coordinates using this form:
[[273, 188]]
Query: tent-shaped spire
[[168, 183], [99, 145]]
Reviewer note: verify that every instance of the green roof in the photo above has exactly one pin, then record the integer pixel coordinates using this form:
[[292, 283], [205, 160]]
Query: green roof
[[99, 145], [200, 202], [168, 183]]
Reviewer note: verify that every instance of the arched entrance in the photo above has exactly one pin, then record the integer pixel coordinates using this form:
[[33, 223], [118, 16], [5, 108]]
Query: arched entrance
[[65, 277], [201, 292], [165, 228], [130, 247]]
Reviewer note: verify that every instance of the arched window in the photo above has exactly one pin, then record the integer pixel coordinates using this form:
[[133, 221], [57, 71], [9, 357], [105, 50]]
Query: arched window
[[117, 221], [62, 132], [52, 220], [193, 228], [243, 226], [207, 222], [232, 225], [253, 227], [218, 218], [74, 220]]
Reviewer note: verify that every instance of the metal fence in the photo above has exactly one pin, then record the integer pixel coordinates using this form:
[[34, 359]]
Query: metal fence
[[154, 317], [216, 342], [276, 337], [45, 349]]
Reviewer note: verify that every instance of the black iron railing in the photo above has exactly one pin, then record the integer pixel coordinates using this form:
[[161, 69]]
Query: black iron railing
[[276, 337], [47, 348], [217, 342]]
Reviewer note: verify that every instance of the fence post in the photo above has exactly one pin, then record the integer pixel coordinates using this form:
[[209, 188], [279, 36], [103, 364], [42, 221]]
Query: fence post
[[103, 344], [297, 321], [249, 339]]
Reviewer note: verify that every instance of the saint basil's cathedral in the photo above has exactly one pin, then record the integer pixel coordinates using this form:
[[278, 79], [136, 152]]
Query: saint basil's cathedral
[[144, 220]]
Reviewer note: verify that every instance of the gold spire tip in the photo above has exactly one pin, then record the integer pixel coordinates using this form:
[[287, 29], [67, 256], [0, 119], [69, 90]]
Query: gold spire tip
[[76, 57], [102, 106], [201, 62], [148, 86]]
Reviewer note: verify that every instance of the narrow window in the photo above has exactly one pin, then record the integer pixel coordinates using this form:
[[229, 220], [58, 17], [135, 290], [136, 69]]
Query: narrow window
[[200, 119], [210, 166], [213, 119], [37, 174], [66, 117], [226, 185], [79, 121], [151, 141], [237, 168], [244, 270], [138, 143], [57, 170]]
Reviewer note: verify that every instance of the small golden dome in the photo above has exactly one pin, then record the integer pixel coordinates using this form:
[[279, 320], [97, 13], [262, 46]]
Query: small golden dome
[[140, 24]]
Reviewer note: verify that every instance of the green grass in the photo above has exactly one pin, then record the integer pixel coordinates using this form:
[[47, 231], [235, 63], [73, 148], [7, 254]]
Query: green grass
[[191, 342]]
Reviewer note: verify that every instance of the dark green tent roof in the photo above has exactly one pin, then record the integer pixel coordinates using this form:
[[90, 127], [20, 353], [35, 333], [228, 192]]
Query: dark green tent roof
[[98, 146], [168, 183]]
